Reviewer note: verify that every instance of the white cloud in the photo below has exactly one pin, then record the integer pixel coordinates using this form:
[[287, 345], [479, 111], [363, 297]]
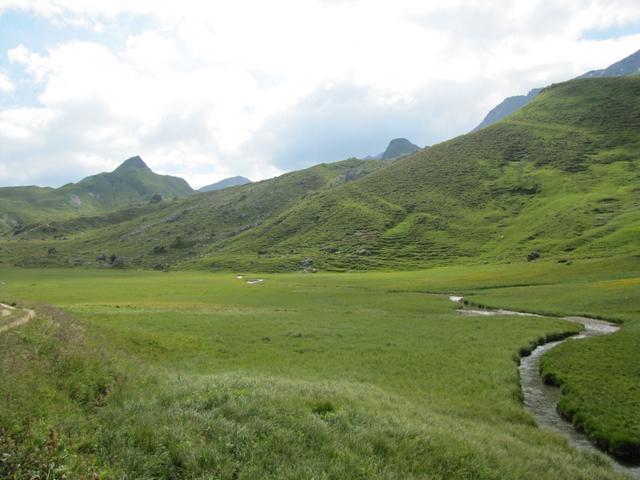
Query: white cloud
[[211, 89], [6, 85]]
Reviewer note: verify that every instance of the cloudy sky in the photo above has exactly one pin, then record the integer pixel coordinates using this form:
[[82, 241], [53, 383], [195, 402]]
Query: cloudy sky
[[206, 90]]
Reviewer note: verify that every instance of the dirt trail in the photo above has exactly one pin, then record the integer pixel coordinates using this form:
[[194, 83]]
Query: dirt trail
[[27, 317]]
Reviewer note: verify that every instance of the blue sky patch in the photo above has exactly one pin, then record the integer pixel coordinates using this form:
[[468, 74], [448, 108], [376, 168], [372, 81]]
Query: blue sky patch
[[614, 31]]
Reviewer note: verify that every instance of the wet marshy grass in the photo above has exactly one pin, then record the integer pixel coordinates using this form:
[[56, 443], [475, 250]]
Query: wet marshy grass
[[198, 375]]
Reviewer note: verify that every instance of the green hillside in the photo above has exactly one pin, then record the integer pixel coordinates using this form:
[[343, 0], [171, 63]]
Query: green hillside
[[132, 182], [560, 177], [164, 234]]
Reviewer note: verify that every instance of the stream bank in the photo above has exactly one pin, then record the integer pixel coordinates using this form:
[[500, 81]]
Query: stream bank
[[540, 399]]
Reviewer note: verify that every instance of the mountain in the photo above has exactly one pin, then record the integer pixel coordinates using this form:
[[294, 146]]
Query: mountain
[[559, 177], [226, 183], [171, 232], [627, 66], [133, 181], [507, 107], [396, 148], [399, 147]]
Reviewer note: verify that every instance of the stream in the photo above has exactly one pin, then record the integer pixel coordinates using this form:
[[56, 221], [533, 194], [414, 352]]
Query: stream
[[541, 399]]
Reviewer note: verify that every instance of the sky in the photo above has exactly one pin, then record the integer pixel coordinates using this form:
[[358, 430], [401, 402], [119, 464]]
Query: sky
[[208, 90]]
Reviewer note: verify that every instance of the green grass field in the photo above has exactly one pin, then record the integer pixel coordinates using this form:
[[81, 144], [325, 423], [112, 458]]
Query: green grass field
[[367, 375]]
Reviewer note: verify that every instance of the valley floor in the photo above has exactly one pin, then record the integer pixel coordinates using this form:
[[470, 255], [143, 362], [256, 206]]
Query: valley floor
[[367, 375]]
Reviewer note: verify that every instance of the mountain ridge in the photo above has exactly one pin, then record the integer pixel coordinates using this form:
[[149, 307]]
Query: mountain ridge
[[557, 177], [131, 182], [629, 65]]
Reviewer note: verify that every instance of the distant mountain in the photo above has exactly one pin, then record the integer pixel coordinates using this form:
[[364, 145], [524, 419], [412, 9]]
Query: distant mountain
[[559, 178], [132, 182], [226, 183], [398, 147], [507, 107], [627, 66], [169, 232]]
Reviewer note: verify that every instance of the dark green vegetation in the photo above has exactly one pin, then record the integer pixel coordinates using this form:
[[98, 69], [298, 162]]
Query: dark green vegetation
[[164, 234], [132, 182], [199, 375]]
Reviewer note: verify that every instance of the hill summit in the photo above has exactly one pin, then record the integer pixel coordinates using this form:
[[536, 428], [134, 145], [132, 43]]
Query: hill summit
[[133, 163], [399, 147], [226, 183], [132, 182]]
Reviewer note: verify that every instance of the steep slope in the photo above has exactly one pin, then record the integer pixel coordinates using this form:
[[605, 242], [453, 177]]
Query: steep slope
[[560, 177], [163, 234], [226, 183], [133, 181], [627, 66]]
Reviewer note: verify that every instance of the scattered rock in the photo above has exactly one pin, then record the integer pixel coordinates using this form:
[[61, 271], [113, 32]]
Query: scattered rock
[[52, 251], [534, 255], [307, 265], [362, 251], [116, 262], [156, 198]]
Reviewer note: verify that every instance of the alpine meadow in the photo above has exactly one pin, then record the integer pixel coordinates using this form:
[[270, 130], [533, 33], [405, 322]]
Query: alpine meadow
[[468, 309]]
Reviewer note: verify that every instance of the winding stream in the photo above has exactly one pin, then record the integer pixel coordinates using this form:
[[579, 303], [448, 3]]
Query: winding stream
[[541, 399]]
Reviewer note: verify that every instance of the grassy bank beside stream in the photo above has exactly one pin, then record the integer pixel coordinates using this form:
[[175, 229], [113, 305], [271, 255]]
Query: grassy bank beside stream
[[199, 375]]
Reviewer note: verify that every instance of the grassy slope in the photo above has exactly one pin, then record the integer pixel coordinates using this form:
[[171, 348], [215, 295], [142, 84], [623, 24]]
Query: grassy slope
[[324, 376], [560, 176], [174, 231], [21, 206]]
